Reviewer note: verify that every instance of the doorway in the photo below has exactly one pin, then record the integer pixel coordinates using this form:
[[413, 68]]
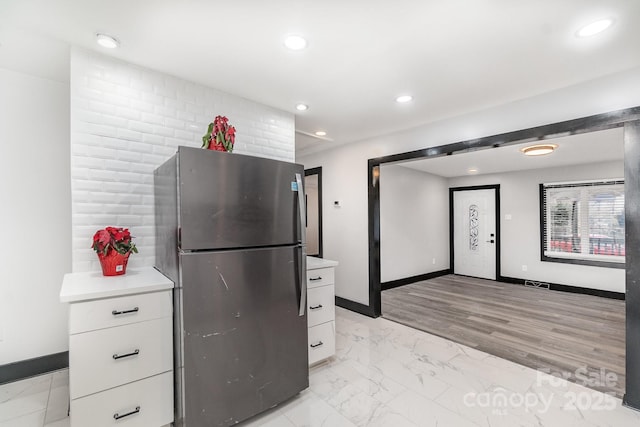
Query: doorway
[[313, 196], [628, 120], [474, 231]]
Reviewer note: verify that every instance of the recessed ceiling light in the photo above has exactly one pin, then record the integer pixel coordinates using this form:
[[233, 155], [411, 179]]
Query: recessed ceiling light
[[107, 41], [539, 150], [404, 98], [302, 107], [472, 170], [594, 28], [321, 133], [295, 42]]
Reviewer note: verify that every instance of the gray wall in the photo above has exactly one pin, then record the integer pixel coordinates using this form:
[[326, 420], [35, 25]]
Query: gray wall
[[414, 223]]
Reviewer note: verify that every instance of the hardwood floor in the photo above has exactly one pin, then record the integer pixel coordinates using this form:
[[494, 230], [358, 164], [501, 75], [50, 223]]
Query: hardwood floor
[[580, 337]]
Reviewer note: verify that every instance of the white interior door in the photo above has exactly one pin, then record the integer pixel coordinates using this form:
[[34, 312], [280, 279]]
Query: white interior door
[[474, 233]]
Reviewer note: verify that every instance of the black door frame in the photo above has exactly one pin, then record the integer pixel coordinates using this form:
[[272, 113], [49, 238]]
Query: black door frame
[[452, 190], [318, 171]]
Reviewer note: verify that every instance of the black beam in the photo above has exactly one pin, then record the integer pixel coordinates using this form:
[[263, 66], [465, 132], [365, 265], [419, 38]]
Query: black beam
[[375, 285], [593, 123], [632, 247]]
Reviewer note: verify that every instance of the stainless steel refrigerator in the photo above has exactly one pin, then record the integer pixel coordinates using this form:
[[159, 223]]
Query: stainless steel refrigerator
[[230, 234]]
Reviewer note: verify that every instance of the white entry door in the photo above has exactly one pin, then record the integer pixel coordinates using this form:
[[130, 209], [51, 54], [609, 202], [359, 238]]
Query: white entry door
[[474, 233]]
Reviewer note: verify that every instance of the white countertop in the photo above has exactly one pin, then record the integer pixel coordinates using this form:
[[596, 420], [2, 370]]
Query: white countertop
[[92, 284], [314, 263]]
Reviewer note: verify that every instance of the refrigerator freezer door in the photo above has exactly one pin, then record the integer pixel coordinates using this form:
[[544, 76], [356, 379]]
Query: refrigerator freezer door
[[236, 201], [245, 345]]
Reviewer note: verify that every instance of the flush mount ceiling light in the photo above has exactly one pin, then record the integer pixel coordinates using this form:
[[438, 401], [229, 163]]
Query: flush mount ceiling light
[[295, 42], [302, 107], [321, 133], [594, 28], [404, 98], [107, 41], [539, 150], [472, 170]]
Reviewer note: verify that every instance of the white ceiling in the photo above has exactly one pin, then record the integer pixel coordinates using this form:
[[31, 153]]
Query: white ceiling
[[593, 147], [453, 56]]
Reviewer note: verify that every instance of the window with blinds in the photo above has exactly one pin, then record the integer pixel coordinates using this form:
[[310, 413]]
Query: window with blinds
[[583, 222]]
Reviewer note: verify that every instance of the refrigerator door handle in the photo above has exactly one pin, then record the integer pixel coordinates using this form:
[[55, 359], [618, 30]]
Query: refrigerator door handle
[[302, 209], [303, 243]]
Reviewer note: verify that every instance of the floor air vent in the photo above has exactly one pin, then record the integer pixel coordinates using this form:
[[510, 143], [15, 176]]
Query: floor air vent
[[534, 284]]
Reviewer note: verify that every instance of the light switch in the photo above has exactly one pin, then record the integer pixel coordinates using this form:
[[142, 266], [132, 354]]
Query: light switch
[[507, 217]]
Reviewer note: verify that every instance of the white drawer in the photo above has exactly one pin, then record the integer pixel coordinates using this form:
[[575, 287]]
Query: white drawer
[[320, 277], [322, 342], [153, 396], [320, 305], [109, 312], [95, 361]]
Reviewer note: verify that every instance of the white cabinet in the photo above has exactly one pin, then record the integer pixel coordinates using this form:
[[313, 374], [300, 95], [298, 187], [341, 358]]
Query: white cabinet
[[120, 348], [145, 403], [321, 311], [321, 305]]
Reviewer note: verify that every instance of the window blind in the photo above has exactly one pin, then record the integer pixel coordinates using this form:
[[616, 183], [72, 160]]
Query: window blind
[[584, 220]]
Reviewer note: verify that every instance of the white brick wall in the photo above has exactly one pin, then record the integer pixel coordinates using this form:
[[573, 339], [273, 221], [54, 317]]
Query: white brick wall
[[127, 120]]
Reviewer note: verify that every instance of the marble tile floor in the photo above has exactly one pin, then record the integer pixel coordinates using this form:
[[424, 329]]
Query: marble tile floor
[[387, 374], [36, 402]]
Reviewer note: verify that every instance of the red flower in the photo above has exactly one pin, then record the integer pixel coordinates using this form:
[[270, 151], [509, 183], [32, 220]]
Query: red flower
[[116, 238], [220, 135], [102, 237]]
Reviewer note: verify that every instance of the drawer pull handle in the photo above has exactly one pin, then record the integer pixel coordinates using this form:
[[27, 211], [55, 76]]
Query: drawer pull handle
[[315, 307], [120, 356], [318, 344], [117, 313], [313, 279], [118, 416]]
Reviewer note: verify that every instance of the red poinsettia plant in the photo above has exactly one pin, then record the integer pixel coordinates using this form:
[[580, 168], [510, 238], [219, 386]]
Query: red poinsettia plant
[[220, 135], [113, 238]]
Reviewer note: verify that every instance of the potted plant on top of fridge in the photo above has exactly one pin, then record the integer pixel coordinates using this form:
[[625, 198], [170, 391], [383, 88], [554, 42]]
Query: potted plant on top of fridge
[[113, 246], [220, 135]]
